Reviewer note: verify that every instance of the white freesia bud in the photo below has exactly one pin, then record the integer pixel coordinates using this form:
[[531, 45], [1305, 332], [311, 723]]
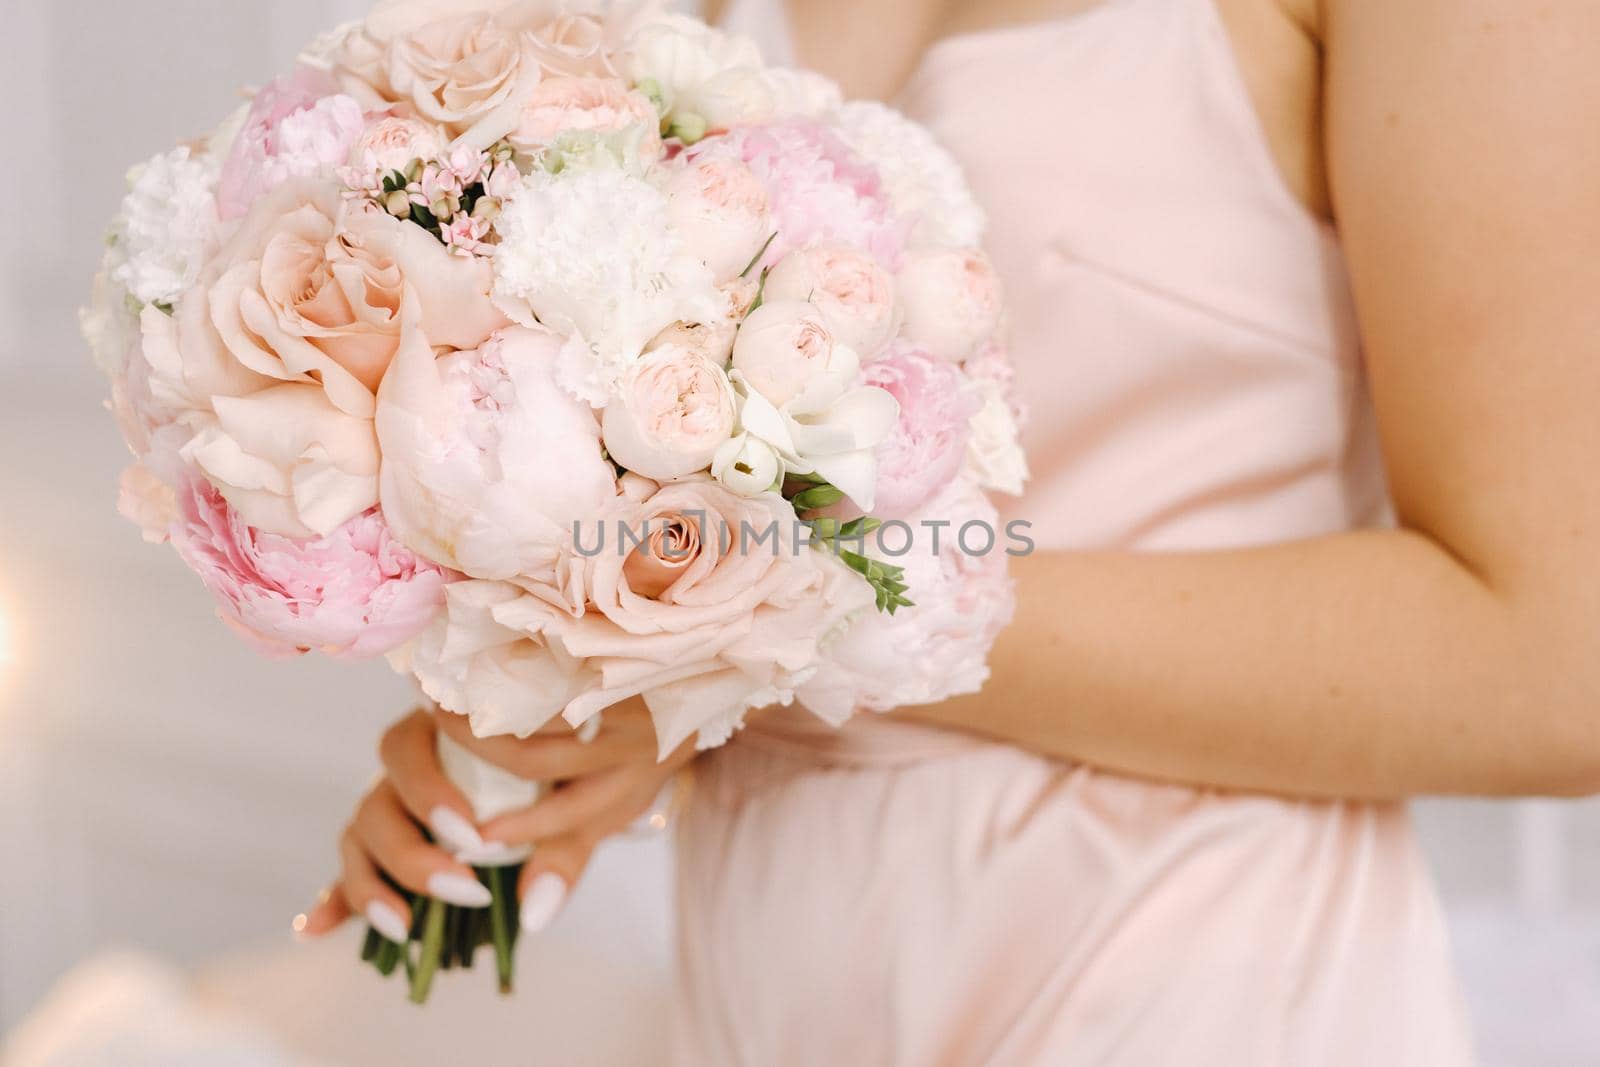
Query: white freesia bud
[[673, 410], [854, 293], [746, 465], [951, 299]]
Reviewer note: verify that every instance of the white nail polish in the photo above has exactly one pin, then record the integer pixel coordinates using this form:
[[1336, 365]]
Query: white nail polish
[[387, 922], [491, 854], [544, 899], [459, 890], [452, 831]]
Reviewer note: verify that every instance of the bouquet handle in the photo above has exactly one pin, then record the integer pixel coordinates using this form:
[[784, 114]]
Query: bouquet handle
[[444, 935]]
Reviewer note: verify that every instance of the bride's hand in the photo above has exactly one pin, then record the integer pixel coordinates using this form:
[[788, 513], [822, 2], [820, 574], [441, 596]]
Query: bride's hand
[[602, 787]]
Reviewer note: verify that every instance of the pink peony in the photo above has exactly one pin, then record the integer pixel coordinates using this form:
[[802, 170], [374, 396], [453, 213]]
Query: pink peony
[[354, 593], [818, 188], [487, 462], [929, 442], [297, 127]]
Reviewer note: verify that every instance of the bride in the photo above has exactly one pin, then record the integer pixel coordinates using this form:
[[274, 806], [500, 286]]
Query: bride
[[1272, 264]]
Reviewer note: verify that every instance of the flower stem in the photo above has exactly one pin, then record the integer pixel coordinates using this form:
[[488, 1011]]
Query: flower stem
[[502, 921], [431, 949]]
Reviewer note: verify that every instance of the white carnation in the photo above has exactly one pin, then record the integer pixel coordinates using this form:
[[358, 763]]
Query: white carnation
[[923, 179], [590, 254], [167, 227]]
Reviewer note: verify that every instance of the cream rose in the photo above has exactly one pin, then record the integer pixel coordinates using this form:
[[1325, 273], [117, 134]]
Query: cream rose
[[673, 409], [719, 209], [310, 290], [468, 71], [952, 301], [785, 346], [854, 293], [288, 461], [586, 105], [700, 618]]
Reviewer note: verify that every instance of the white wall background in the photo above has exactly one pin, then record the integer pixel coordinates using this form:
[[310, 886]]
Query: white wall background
[[161, 787]]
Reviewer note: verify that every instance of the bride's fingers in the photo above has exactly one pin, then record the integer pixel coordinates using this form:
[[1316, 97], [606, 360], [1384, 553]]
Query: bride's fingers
[[599, 804], [410, 755], [549, 876], [369, 894], [326, 915], [394, 841], [542, 757]]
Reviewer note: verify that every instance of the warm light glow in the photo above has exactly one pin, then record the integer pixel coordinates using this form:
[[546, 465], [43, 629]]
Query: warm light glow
[[7, 652]]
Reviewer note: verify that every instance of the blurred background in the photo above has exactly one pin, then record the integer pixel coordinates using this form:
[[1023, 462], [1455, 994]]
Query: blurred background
[[168, 801]]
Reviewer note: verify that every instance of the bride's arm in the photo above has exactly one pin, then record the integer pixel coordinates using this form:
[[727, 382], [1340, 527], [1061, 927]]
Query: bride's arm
[[1460, 654]]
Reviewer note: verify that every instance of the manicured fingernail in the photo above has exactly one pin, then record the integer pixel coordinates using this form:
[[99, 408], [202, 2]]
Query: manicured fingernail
[[487, 854], [387, 922], [452, 831], [459, 890], [299, 926], [544, 899]]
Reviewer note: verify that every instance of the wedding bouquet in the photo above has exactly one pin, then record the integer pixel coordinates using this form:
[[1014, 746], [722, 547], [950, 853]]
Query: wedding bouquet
[[565, 356]]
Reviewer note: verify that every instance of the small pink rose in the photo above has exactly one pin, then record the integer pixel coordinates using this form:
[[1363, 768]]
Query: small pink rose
[[854, 293], [393, 143], [673, 409], [586, 105], [783, 347], [952, 302]]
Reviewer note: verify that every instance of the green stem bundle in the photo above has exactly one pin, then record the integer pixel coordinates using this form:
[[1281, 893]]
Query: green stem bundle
[[446, 936]]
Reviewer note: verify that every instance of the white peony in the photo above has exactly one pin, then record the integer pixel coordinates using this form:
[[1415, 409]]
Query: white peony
[[590, 253], [940, 647], [167, 228], [924, 180]]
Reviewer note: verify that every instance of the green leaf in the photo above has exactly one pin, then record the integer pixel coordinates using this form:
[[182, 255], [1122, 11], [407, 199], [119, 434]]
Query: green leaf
[[757, 259], [761, 292], [818, 496]]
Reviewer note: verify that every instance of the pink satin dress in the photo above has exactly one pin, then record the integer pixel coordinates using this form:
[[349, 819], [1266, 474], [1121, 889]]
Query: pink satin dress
[[891, 894]]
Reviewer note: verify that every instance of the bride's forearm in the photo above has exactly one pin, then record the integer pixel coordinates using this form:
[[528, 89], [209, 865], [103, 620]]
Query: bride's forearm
[[1368, 664]]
